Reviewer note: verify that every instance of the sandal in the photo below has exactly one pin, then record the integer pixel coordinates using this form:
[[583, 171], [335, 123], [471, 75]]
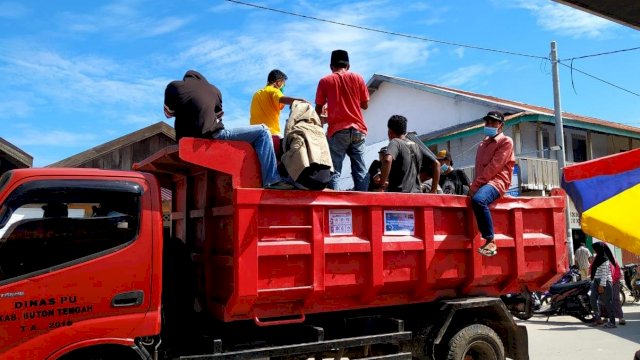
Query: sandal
[[488, 252]]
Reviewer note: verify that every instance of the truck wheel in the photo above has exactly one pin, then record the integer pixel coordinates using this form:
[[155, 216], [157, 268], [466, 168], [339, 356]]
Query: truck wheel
[[477, 342]]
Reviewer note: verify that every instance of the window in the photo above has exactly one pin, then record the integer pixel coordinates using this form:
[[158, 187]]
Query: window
[[546, 153], [45, 225], [579, 145]]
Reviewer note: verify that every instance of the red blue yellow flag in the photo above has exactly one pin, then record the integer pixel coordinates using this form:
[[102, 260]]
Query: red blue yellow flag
[[606, 193]]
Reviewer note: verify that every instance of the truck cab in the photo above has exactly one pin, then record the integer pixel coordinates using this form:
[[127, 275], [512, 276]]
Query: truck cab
[[78, 263]]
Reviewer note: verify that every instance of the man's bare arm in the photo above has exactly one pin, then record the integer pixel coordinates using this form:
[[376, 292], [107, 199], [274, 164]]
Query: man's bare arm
[[289, 100], [168, 112]]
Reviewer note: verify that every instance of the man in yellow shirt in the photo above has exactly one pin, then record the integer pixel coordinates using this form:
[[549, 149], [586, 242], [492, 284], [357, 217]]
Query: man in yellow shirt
[[268, 101]]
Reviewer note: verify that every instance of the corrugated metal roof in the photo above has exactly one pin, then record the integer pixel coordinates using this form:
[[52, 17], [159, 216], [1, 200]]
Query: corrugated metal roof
[[504, 105]]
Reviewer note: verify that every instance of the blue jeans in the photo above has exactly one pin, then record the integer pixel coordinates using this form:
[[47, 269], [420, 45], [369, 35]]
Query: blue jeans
[[260, 138], [480, 204], [348, 142]]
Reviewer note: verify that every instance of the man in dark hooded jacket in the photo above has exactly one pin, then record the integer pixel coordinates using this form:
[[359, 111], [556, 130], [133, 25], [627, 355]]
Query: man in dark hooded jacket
[[197, 107]]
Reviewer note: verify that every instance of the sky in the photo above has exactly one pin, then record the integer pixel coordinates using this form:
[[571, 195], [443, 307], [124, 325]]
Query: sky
[[76, 74]]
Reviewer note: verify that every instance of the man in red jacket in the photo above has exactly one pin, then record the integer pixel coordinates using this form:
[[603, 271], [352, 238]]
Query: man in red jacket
[[493, 170]]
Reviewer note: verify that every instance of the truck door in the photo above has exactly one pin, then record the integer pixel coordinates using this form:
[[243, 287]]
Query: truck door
[[75, 263]]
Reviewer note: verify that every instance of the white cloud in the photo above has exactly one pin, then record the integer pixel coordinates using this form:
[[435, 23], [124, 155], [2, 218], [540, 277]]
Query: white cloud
[[11, 109], [302, 48], [459, 52], [223, 7], [55, 138], [466, 75], [123, 19], [12, 10], [566, 20], [79, 80]]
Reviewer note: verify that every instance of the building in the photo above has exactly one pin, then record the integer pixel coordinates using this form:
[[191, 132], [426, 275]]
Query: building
[[446, 118], [11, 157], [123, 152]]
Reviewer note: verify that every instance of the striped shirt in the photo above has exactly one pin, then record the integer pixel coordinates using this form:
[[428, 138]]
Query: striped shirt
[[582, 257], [603, 272]]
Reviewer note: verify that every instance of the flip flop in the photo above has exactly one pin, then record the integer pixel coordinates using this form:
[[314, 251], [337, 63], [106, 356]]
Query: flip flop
[[488, 252]]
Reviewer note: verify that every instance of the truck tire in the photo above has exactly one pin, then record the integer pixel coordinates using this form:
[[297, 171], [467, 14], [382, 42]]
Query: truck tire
[[479, 342]]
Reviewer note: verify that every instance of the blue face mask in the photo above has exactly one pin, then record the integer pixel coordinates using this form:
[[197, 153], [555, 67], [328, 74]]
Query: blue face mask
[[490, 131], [444, 168], [282, 89]]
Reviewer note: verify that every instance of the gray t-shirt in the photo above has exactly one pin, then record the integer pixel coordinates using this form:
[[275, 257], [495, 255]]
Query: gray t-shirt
[[407, 159]]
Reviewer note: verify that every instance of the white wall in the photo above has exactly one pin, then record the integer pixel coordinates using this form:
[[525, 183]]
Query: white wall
[[529, 139], [425, 111]]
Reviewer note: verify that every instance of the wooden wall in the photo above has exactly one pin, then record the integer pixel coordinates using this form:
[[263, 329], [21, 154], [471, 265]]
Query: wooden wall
[[124, 157]]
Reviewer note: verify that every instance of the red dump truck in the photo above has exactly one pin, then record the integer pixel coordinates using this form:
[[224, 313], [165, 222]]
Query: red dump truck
[[87, 270]]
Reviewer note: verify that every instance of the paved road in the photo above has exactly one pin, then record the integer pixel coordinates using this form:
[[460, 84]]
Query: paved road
[[566, 338]]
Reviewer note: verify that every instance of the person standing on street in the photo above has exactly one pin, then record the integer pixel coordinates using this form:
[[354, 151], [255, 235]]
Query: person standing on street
[[583, 260], [493, 170], [402, 160], [197, 106], [616, 301], [346, 95], [602, 284], [268, 101]]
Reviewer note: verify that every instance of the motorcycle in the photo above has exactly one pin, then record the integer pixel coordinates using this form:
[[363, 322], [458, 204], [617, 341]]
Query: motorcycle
[[523, 305], [572, 275], [571, 299], [568, 297], [632, 280]]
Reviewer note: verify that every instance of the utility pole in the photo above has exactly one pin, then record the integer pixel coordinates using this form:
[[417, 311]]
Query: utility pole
[[560, 142]]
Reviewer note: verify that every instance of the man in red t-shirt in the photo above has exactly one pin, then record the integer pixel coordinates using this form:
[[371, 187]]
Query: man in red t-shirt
[[345, 95]]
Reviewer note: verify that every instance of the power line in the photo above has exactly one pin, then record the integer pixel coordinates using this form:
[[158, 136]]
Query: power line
[[445, 42], [599, 79], [601, 54], [386, 32]]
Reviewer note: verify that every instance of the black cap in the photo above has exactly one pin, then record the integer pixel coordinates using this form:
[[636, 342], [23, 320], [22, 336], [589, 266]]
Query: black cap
[[494, 115], [383, 150], [339, 58]]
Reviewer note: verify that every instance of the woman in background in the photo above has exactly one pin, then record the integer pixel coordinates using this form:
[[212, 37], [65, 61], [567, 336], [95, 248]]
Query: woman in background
[[602, 285]]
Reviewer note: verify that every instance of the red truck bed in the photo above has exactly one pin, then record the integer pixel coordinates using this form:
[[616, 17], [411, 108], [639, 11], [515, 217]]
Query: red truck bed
[[264, 254]]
